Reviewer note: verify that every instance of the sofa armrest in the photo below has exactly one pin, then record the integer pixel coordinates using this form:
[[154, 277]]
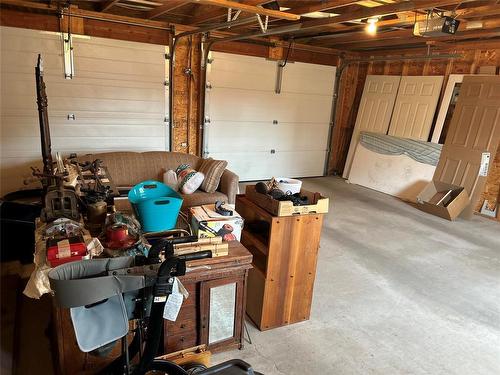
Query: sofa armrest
[[229, 185]]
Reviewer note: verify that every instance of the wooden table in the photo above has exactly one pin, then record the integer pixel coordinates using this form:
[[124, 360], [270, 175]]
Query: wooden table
[[193, 323]]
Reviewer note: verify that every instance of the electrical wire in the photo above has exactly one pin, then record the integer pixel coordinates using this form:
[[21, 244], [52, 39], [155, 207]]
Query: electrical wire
[[287, 53]]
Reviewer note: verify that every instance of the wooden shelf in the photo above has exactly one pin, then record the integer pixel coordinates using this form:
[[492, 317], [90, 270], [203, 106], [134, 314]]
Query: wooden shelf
[[280, 285], [257, 240], [259, 260]]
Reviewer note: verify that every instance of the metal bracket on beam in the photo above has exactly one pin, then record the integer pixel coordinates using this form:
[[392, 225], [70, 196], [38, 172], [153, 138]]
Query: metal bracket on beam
[[263, 24], [279, 77], [67, 46], [230, 16]]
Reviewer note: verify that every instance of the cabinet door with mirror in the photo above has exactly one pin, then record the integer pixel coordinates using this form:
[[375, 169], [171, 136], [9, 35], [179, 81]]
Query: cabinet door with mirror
[[222, 303]]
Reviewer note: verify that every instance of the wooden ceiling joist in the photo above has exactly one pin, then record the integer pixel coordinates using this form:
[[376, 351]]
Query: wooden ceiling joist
[[209, 15], [342, 28], [407, 38], [405, 6], [165, 8], [107, 5], [249, 9], [320, 6]]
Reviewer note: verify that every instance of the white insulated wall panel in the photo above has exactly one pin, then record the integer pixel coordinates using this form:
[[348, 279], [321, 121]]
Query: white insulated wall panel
[[118, 98], [263, 134]]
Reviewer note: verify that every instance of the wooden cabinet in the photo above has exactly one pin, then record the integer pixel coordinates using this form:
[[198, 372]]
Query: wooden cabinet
[[212, 315], [285, 251]]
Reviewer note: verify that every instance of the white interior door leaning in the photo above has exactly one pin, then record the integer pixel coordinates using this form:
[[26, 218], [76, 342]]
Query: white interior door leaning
[[375, 109], [415, 106]]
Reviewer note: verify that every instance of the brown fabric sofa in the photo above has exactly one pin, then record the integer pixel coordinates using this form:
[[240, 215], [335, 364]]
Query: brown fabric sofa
[[129, 168]]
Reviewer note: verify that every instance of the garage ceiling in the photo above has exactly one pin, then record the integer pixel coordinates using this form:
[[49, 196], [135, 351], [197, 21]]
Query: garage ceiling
[[335, 24]]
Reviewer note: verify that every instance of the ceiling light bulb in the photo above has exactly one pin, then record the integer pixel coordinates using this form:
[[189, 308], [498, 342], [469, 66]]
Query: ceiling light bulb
[[371, 27]]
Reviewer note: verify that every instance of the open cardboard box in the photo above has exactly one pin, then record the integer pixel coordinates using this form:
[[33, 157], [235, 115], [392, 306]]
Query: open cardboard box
[[443, 200]]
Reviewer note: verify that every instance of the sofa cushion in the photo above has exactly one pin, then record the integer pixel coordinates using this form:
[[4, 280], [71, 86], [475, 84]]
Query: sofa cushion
[[213, 170], [199, 198], [130, 168]]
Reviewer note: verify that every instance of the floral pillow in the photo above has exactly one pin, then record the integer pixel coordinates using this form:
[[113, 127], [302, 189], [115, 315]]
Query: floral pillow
[[189, 180]]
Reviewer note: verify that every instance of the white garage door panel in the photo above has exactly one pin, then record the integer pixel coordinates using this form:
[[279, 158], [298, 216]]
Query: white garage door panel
[[415, 106], [248, 119], [300, 163], [117, 96], [308, 79], [230, 136], [127, 51], [290, 164], [244, 105], [14, 85], [107, 130], [233, 71]]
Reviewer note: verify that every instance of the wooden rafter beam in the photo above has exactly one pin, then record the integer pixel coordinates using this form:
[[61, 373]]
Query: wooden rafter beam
[[165, 8], [320, 7], [360, 35], [249, 9], [205, 15], [108, 4], [407, 39], [441, 47], [405, 6], [292, 29]]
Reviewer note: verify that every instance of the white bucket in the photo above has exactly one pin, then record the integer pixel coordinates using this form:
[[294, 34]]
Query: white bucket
[[288, 185]]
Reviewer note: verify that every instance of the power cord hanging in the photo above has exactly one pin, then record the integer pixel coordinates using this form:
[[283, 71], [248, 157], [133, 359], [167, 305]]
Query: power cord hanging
[[290, 45]]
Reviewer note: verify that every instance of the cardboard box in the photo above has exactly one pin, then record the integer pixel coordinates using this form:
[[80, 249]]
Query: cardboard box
[[443, 200], [318, 203], [207, 223]]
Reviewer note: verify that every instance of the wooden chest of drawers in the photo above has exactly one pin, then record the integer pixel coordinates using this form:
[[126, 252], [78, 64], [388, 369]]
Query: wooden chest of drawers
[[193, 326]]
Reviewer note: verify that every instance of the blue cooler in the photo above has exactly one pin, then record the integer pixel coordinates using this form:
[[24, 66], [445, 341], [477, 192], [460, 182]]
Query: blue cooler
[[156, 205]]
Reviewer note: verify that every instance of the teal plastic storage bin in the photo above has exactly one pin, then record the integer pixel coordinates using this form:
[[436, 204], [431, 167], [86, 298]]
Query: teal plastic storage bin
[[156, 205]]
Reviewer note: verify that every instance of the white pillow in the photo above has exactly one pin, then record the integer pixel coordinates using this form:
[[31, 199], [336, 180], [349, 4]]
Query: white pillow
[[189, 179], [170, 179]]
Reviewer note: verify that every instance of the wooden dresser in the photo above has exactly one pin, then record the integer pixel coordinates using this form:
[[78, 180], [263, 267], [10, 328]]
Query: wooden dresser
[[285, 251], [212, 315]]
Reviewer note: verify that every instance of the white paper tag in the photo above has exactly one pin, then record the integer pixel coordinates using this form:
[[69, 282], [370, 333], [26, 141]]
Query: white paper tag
[[174, 301], [485, 164], [63, 249]]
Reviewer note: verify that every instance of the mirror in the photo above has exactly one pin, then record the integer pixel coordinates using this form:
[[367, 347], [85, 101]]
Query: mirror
[[222, 308]]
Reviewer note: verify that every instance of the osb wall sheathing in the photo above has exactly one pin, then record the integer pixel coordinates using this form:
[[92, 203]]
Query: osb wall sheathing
[[492, 188], [186, 130]]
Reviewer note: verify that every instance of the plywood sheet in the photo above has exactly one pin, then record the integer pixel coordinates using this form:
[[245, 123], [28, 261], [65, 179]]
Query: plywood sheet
[[397, 175]]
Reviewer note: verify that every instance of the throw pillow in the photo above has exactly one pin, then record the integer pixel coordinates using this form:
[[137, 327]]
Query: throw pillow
[[213, 170], [170, 179], [189, 179]]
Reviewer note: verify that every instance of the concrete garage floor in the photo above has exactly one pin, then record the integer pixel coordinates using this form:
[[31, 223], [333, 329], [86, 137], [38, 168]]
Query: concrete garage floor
[[398, 291]]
